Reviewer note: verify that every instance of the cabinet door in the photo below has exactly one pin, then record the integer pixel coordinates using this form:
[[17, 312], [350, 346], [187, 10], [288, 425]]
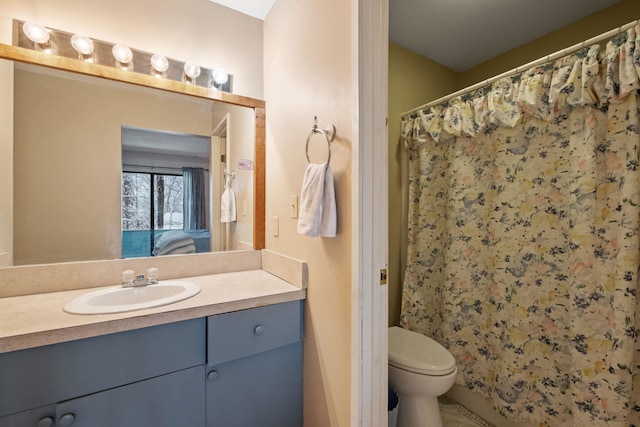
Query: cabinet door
[[263, 390], [38, 417], [42, 376], [171, 400]]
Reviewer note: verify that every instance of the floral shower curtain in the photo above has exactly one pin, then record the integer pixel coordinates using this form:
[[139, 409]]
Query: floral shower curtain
[[524, 237]]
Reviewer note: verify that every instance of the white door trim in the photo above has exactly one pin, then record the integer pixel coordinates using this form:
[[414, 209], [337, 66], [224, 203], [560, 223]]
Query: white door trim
[[370, 213]]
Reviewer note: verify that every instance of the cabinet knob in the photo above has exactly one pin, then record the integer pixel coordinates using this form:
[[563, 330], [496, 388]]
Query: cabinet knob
[[212, 376], [45, 422], [66, 420], [258, 330]]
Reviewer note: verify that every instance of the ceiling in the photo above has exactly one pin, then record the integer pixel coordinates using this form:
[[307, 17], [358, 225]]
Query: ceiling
[[463, 33], [165, 142], [256, 8]]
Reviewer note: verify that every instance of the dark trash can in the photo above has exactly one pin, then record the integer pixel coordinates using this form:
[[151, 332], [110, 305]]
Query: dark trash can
[[393, 408]]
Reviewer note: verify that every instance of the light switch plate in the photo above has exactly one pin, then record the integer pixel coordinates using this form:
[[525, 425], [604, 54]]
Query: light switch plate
[[276, 226]]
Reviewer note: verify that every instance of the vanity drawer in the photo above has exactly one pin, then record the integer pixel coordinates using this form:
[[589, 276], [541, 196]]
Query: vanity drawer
[[243, 333]]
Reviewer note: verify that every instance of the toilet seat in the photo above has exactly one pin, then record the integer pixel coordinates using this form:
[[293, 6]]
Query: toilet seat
[[418, 353]]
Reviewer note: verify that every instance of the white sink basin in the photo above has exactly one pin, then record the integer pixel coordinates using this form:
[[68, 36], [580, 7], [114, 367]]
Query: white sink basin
[[119, 299]]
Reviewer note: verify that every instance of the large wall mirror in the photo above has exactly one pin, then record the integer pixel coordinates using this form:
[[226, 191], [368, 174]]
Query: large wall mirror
[[108, 164]]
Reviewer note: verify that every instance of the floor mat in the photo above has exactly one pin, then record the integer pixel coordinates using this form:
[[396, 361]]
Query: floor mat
[[456, 415]]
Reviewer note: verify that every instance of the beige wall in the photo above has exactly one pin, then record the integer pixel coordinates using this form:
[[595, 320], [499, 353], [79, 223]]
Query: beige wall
[[187, 30], [67, 160], [6, 151], [619, 14], [6, 163], [308, 72], [413, 80]]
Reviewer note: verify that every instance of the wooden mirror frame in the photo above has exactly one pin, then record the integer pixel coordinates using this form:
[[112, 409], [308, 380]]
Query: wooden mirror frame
[[19, 54]]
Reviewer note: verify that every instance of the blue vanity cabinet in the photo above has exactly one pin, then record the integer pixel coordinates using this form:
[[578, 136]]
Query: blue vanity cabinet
[[146, 377], [254, 367], [242, 369]]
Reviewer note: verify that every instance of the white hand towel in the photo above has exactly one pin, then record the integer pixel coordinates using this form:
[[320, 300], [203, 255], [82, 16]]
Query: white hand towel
[[317, 216], [228, 206], [329, 219]]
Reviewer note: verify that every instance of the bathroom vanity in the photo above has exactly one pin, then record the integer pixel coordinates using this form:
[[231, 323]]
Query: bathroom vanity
[[229, 356], [241, 368]]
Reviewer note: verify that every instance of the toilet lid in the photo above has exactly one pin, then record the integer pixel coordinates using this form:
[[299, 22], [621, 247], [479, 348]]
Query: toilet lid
[[418, 353]]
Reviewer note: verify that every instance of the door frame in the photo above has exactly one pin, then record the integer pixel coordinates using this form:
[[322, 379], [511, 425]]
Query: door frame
[[370, 300]]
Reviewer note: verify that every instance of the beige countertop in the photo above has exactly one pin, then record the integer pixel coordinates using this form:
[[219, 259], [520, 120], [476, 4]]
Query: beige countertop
[[35, 320]]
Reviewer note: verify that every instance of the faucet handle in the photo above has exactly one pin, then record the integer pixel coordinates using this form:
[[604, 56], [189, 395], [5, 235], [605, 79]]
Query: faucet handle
[[152, 276], [127, 278]]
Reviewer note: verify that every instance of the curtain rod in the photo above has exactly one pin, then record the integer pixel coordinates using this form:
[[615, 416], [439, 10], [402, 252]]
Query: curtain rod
[[522, 68], [179, 169]]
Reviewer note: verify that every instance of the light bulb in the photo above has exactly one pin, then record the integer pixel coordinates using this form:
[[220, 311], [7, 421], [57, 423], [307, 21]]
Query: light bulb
[[159, 63], [36, 33], [191, 70], [82, 44], [122, 54], [220, 76]]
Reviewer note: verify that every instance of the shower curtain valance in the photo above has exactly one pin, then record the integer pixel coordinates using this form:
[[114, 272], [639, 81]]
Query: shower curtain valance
[[585, 78]]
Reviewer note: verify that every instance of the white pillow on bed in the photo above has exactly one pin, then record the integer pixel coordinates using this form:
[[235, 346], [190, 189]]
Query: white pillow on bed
[[173, 242]]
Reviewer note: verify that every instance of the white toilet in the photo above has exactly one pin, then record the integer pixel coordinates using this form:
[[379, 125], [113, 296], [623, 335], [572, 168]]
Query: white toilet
[[420, 370]]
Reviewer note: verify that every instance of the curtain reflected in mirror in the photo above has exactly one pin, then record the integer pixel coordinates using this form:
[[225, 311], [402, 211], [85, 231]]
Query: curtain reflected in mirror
[[195, 213]]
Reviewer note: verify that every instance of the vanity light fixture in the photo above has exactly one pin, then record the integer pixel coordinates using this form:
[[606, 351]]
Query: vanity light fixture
[[191, 70], [122, 54], [82, 48], [220, 76], [82, 44], [159, 63], [40, 37], [36, 33]]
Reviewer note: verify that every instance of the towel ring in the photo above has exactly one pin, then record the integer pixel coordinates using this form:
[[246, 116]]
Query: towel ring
[[329, 134]]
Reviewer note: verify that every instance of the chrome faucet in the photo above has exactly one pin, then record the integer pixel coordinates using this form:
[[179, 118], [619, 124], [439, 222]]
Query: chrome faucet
[[131, 280], [128, 280], [140, 281]]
